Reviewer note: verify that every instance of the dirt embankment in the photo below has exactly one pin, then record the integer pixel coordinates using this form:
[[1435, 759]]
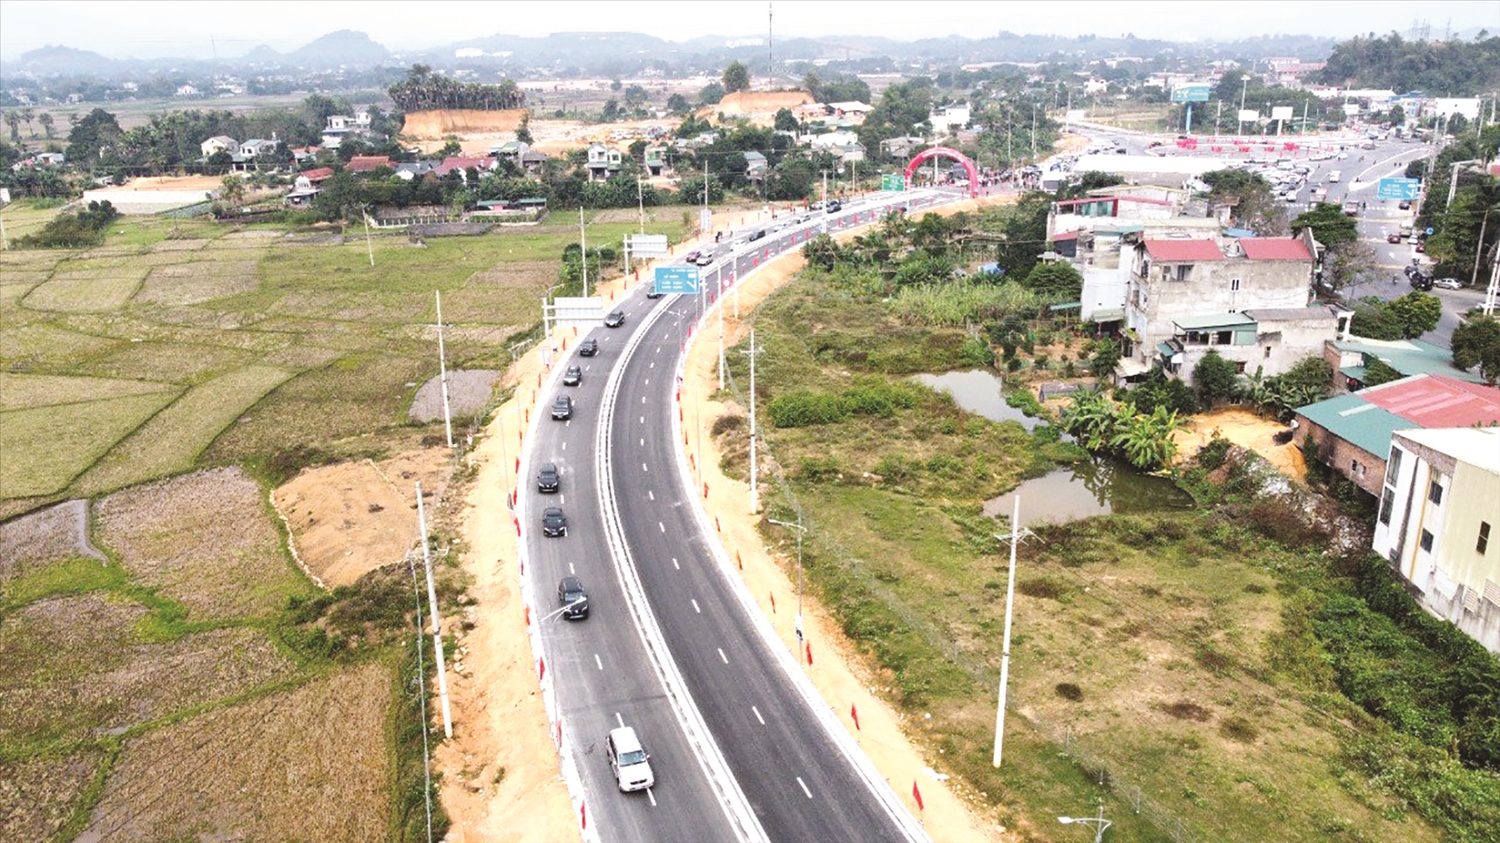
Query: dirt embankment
[[437, 124]]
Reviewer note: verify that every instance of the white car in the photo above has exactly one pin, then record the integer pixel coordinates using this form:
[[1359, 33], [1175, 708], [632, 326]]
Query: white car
[[1448, 284], [628, 759]]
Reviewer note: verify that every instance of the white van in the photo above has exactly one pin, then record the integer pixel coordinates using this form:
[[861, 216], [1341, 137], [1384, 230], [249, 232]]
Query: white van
[[628, 759], [1334, 176]]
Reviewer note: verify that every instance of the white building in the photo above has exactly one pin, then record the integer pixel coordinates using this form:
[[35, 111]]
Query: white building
[[1439, 524]]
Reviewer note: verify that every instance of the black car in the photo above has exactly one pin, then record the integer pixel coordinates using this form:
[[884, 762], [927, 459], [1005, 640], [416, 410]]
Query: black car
[[573, 376], [615, 319], [573, 598], [757, 234], [1421, 282], [653, 293], [1405, 205], [588, 348], [554, 523], [548, 479], [562, 408], [835, 207]]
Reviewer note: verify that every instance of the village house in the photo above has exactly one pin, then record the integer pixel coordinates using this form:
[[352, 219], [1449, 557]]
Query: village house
[[603, 161], [217, 144], [1439, 526]]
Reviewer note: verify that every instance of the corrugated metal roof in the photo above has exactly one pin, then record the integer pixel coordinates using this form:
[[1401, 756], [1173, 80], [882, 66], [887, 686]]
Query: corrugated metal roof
[[1433, 401], [1352, 418], [1212, 320], [1281, 314], [1274, 249], [1184, 250], [1409, 357]]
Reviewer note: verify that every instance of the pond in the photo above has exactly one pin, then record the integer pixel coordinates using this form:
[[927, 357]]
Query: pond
[[980, 392], [1100, 485]]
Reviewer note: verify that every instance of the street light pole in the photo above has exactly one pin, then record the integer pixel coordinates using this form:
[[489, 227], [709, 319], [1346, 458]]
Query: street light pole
[[800, 530], [1099, 823], [753, 351]]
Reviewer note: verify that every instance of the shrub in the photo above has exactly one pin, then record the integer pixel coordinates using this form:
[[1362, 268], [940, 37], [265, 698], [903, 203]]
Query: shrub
[[1212, 455], [801, 408], [1069, 691], [816, 469]]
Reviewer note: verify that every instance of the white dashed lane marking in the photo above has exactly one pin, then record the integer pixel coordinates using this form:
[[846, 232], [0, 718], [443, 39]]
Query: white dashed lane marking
[[757, 715], [804, 787]]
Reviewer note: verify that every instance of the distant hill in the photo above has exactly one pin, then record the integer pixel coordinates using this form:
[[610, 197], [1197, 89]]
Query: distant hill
[[345, 47], [51, 60], [262, 55]]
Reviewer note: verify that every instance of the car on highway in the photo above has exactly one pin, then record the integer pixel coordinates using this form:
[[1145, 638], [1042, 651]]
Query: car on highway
[[757, 234], [588, 348], [628, 759], [1448, 284], [653, 293], [554, 523], [1393, 237], [562, 408], [573, 376], [705, 259], [691, 257], [615, 319], [1405, 205], [548, 478], [835, 207], [573, 598]]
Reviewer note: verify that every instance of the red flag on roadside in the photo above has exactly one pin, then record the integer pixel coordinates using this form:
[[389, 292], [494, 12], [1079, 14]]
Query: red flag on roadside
[[917, 795]]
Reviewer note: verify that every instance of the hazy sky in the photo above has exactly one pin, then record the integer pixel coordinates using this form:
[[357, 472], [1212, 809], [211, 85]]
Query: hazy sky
[[147, 28]]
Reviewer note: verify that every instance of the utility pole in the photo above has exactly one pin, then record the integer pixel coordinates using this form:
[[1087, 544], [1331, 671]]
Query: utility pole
[[1479, 247], [443, 369], [753, 351], [1240, 123], [583, 248], [640, 202], [437, 632], [1010, 597]]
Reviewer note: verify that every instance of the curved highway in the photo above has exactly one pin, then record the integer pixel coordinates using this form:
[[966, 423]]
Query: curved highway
[[741, 746]]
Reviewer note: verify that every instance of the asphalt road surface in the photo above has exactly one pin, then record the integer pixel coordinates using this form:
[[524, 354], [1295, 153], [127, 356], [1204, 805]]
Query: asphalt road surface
[[741, 746]]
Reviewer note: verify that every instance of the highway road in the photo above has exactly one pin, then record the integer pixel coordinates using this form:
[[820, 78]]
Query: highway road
[[741, 745]]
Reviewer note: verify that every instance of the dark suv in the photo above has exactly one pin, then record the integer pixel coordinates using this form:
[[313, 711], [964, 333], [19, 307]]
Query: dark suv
[[615, 319], [573, 376], [573, 598], [562, 408], [554, 523], [548, 479], [588, 348]]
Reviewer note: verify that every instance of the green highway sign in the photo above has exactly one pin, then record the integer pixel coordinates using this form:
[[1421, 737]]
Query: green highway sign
[[1191, 92], [892, 181]]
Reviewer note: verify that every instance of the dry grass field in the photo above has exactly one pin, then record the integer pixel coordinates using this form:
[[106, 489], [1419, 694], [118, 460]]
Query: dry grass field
[[183, 343], [147, 696], [302, 764]]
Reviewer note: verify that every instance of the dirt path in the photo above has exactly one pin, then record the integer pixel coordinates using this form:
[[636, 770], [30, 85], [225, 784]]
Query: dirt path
[[500, 721]]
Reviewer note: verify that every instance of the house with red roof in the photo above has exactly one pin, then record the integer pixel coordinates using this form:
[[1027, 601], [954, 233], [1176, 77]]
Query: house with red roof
[[1250, 299], [1353, 431], [462, 164]]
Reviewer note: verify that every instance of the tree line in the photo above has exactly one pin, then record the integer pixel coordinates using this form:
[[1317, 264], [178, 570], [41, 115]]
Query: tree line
[[423, 90], [1437, 68]]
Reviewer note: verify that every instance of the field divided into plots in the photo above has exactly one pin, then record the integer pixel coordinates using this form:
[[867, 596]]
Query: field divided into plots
[[180, 344]]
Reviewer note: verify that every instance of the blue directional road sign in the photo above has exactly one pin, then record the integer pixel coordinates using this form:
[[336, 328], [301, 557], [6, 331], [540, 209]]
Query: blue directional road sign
[[1398, 189], [676, 279]]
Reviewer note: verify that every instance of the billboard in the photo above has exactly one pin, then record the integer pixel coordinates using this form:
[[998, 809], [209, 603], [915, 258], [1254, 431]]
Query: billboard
[[647, 245], [1191, 92], [1394, 188], [892, 181], [1248, 115], [1281, 112], [676, 279]]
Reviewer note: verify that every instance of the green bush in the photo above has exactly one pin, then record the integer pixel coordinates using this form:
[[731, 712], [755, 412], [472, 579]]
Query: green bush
[[801, 408]]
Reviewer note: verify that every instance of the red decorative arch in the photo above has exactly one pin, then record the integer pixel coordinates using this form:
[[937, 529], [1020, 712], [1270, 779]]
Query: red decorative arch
[[946, 152]]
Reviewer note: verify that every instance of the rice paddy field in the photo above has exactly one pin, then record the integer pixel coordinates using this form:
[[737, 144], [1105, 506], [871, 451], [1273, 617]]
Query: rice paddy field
[[180, 344]]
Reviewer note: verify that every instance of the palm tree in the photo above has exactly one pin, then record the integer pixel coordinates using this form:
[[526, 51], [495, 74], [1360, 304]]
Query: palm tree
[[13, 120], [46, 120], [28, 114]]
